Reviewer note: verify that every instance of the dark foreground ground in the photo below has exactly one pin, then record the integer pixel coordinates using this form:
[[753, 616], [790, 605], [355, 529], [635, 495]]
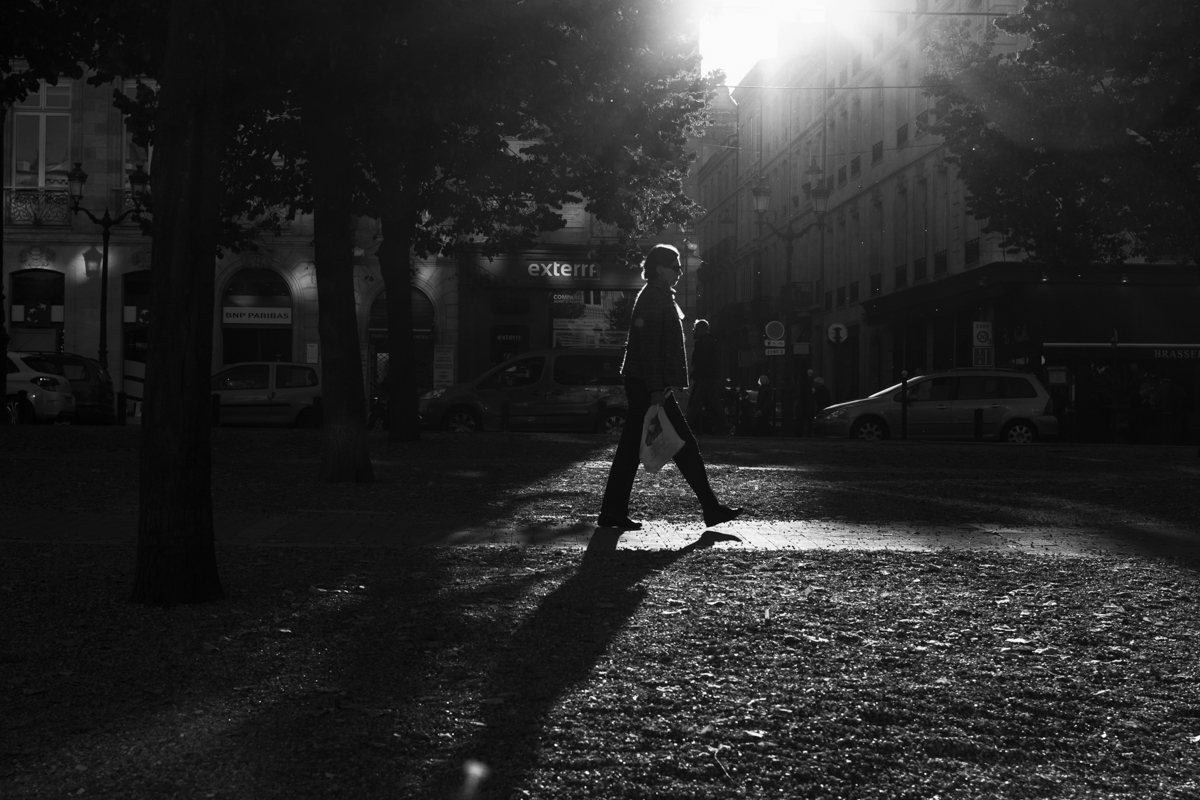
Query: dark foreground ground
[[690, 673]]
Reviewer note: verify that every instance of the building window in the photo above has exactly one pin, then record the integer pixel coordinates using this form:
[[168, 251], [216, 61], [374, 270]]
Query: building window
[[877, 44], [939, 262], [971, 251], [855, 166], [901, 276], [841, 296], [901, 23], [922, 123], [877, 152], [36, 175], [841, 175], [902, 135], [919, 269], [829, 301], [842, 78], [856, 65], [877, 283], [853, 291]]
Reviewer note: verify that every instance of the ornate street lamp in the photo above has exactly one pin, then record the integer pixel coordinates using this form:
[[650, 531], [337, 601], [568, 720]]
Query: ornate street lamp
[[139, 183]]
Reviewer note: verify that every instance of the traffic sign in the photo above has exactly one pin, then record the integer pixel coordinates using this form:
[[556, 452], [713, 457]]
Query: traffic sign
[[774, 351], [775, 329], [984, 357], [773, 343], [837, 333]]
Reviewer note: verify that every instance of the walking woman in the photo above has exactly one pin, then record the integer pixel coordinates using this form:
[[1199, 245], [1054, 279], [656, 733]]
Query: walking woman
[[655, 360]]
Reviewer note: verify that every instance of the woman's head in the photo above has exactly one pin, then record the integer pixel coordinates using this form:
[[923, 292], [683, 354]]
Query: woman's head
[[661, 255]]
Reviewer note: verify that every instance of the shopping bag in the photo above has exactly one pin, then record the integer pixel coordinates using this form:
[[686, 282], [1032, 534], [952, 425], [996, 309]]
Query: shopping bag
[[660, 442]]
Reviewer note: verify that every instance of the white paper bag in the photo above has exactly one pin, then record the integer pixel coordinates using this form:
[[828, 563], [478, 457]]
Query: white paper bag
[[660, 442]]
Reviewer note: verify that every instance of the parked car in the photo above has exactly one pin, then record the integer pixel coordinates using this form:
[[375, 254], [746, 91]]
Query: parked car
[[268, 393], [1015, 408], [35, 391], [91, 385], [577, 388]]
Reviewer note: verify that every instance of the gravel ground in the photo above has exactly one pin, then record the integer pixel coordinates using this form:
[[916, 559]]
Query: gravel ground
[[380, 674], [351, 672]]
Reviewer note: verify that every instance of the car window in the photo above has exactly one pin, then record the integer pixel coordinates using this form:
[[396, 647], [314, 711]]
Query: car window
[[520, 373], [247, 376], [74, 370], [576, 370], [41, 365], [978, 387], [610, 370], [933, 390], [1019, 387], [289, 377]]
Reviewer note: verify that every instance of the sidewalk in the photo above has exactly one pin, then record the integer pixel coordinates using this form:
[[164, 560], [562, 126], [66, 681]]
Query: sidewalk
[[317, 529]]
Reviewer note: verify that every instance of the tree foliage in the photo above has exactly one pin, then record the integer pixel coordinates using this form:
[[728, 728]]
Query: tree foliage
[[1082, 147]]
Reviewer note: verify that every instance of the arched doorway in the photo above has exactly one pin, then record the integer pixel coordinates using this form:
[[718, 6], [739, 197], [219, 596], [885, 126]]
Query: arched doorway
[[256, 318], [37, 311], [424, 338]]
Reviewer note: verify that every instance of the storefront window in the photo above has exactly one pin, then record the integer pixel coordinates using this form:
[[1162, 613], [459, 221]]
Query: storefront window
[[256, 318]]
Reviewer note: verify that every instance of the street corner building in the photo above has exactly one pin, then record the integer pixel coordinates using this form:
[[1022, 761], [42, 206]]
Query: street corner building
[[834, 219]]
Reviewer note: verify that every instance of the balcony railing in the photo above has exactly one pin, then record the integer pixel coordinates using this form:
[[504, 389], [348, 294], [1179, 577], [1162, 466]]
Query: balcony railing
[[37, 207]]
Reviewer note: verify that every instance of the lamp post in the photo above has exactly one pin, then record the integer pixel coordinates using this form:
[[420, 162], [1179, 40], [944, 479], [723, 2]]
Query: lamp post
[[139, 182], [762, 200], [820, 197]]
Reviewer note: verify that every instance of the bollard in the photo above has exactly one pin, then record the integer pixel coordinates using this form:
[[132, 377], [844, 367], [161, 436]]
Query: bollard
[[904, 405], [979, 424], [122, 408], [504, 412], [216, 410]]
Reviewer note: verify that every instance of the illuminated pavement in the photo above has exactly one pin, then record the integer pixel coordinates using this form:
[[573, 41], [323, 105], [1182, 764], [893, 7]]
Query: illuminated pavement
[[314, 529]]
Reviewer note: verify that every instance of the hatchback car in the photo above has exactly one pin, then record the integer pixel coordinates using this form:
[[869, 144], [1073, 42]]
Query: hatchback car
[[268, 393], [35, 391], [1012, 406], [578, 388], [91, 385]]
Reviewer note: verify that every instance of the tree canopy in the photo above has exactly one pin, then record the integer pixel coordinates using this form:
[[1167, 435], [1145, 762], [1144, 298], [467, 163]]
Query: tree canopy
[[1084, 146]]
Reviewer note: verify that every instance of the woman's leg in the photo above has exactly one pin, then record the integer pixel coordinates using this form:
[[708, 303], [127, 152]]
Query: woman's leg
[[689, 460], [625, 462]]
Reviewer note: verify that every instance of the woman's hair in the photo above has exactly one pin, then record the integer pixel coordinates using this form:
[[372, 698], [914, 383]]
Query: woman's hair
[[659, 255]]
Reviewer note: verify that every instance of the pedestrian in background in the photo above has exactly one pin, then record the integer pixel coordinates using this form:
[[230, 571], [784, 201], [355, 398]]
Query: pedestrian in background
[[821, 396], [656, 360], [706, 411], [764, 406]]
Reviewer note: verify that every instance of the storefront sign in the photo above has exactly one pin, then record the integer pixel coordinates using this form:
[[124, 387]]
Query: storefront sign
[[560, 272], [564, 269], [249, 315], [443, 365]]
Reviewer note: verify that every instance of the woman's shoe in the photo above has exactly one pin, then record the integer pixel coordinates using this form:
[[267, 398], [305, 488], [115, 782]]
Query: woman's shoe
[[720, 514], [621, 523]]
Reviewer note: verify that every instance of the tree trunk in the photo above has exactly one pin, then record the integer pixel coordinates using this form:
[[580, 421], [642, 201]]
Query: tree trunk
[[176, 555], [3, 322], [395, 264], [345, 455]]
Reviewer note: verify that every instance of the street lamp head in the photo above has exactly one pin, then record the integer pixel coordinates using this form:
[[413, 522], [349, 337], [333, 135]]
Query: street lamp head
[[139, 183], [76, 178], [814, 174], [762, 196], [92, 261], [817, 188]]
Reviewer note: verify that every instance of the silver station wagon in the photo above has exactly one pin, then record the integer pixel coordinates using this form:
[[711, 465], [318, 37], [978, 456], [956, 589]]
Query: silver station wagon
[[1012, 406]]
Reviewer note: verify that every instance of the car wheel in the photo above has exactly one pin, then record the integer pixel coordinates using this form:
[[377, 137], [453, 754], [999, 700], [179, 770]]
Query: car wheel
[[1019, 432], [870, 429], [307, 418], [614, 422], [463, 420], [20, 412]]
